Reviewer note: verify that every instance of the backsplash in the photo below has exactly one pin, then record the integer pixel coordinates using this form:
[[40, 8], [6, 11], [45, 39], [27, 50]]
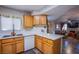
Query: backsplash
[[25, 32], [34, 30]]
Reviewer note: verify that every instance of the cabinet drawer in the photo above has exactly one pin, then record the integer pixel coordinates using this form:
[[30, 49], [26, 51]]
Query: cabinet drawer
[[45, 43], [7, 40], [49, 41], [22, 41], [19, 38]]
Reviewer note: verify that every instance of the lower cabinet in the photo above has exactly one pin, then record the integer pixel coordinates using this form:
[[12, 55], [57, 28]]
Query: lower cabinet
[[47, 46], [19, 46], [38, 43], [8, 48], [12, 45], [0, 47]]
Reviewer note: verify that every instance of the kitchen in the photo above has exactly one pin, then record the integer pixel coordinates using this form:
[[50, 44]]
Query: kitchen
[[25, 32]]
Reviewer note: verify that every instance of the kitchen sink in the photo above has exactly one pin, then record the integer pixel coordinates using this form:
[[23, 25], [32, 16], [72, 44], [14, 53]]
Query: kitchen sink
[[11, 35], [7, 36]]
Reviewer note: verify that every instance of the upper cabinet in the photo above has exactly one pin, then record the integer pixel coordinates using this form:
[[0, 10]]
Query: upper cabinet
[[40, 20], [28, 21], [43, 20]]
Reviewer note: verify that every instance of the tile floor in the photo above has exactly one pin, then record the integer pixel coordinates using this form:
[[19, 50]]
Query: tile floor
[[32, 51]]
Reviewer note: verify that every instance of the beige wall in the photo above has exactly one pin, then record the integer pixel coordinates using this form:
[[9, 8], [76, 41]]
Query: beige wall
[[51, 26]]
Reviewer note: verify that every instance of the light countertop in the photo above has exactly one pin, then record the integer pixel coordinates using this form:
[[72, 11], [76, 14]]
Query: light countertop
[[51, 36], [47, 35]]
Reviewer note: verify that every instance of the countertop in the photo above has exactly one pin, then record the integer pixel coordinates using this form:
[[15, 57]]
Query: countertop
[[9, 37], [51, 36], [47, 35]]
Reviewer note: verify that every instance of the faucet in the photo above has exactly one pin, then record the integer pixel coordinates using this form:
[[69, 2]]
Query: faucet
[[13, 31]]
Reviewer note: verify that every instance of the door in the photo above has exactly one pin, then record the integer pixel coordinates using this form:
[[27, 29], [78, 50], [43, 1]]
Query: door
[[38, 43], [43, 20], [57, 46], [28, 42], [47, 48], [19, 46], [8, 48], [28, 21], [36, 20]]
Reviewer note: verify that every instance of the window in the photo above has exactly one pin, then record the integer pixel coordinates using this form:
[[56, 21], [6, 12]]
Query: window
[[57, 26], [17, 23], [7, 23]]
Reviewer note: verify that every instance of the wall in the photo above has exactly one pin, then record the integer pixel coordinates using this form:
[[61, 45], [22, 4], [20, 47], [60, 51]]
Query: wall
[[11, 12], [51, 26], [72, 13]]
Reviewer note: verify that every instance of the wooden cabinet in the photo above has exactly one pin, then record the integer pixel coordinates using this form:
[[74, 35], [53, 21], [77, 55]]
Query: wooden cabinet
[[57, 46], [36, 20], [19, 45], [8, 48], [0, 46], [7, 40], [43, 20], [12, 45], [47, 46], [28, 21], [38, 43], [40, 20]]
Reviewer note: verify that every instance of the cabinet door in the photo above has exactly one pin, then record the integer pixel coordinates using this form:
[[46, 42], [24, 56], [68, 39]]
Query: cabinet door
[[19, 47], [8, 48], [47, 48], [38, 43], [28, 21], [0, 47], [57, 46], [36, 20], [43, 20]]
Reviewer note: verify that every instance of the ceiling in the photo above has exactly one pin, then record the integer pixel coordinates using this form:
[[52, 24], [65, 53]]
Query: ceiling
[[55, 11], [25, 7]]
